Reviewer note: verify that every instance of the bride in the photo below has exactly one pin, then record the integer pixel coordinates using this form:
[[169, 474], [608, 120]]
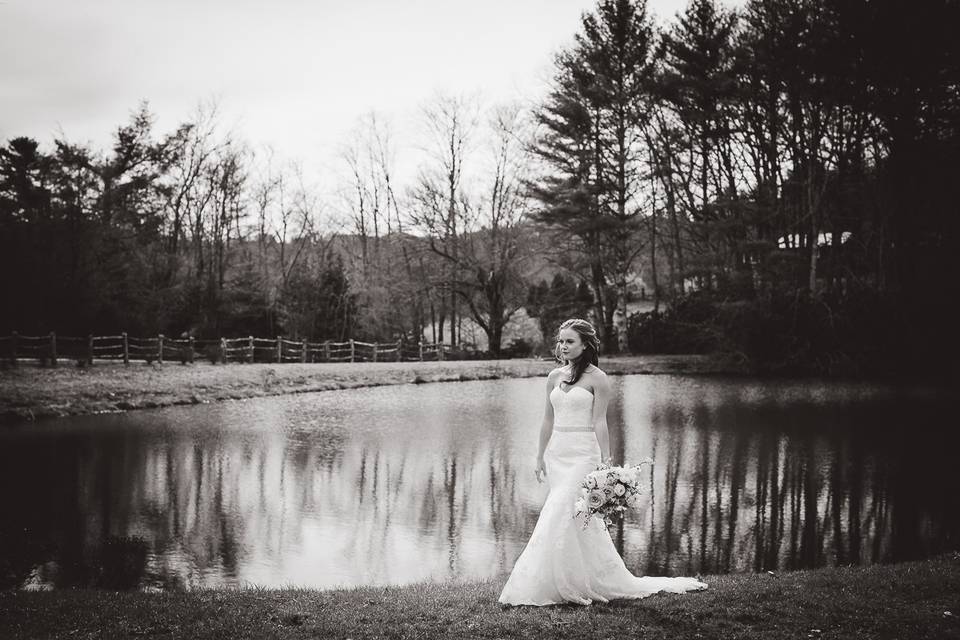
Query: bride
[[563, 561]]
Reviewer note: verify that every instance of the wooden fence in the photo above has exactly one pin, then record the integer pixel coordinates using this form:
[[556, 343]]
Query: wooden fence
[[53, 348]]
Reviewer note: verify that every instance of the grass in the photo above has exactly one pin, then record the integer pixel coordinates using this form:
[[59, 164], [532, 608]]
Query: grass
[[910, 600], [29, 391]]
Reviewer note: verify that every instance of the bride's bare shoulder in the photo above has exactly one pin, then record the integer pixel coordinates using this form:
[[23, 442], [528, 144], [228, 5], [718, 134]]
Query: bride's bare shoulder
[[594, 370], [597, 377]]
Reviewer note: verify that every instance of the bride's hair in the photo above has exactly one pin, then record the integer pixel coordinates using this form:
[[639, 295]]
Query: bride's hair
[[591, 347]]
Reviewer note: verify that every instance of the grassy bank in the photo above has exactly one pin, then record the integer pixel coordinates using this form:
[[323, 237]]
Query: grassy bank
[[911, 600], [29, 391]]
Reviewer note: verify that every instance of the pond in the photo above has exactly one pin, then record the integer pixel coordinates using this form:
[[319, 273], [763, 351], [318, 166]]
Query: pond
[[399, 484]]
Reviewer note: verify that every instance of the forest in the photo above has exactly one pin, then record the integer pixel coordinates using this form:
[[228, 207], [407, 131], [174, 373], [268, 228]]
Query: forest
[[777, 182]]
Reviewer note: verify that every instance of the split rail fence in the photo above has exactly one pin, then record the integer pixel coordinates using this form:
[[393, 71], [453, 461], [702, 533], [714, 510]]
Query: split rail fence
[[52, 348]]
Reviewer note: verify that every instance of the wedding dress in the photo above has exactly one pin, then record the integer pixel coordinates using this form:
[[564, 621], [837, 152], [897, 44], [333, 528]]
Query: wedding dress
[[563, 561]]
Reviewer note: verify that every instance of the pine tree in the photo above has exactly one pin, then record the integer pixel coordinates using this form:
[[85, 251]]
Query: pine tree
[[698, 84], [591, 122]]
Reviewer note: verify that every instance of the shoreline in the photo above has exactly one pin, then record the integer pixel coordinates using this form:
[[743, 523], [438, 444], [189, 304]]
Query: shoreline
[[31, 392], [914, 599]]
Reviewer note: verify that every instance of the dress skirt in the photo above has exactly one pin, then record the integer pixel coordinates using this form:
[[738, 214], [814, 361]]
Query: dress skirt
[[565, 562]]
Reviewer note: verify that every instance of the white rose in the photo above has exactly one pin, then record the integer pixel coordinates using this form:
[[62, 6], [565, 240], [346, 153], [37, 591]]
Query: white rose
[[619, 489], [596, 499]]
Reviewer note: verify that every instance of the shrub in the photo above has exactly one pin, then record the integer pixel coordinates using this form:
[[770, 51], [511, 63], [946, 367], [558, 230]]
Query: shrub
[[791, 332], [689, 326], [213, 353], [518, 348]]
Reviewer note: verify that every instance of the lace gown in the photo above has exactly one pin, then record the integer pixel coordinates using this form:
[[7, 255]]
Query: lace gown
[[563, 561]]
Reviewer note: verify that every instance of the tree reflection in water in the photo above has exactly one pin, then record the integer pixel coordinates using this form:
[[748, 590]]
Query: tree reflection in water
[[789, 481], [401, 484]]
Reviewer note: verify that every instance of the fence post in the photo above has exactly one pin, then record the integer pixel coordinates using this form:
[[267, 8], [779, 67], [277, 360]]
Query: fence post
[[376, 346], [279, 349], [190, 343], [420, 344], [399, 347], [53, 348], [160, 348], [353, 351], [223, 350], [126, 349], [440, 352], [13, 348], [326, 351], [250, 347], [303, 350], [90, 348]]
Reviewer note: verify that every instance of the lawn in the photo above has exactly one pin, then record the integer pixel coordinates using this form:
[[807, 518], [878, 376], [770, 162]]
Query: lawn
[[910, 601]]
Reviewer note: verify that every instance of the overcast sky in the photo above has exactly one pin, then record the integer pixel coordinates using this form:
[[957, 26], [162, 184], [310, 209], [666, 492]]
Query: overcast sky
[[292, 74]]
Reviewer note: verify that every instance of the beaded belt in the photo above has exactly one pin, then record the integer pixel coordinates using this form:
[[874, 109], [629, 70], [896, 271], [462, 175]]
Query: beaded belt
[[573, 429]]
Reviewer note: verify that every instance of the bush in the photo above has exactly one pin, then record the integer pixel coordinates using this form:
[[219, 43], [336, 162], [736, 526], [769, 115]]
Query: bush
[[809, 335], [518, 348], [689, 326], [213, 353], [185, 354], [791, 332], [461, 353]]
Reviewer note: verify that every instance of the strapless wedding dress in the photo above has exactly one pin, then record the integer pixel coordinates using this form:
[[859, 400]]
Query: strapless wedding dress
[[563, 561]]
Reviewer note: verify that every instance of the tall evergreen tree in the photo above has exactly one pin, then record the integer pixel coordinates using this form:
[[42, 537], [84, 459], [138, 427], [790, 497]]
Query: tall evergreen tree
[[694, 135], [591, 141]]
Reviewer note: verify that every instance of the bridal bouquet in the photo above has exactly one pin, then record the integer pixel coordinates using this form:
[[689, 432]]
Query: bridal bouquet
[[608, 492]]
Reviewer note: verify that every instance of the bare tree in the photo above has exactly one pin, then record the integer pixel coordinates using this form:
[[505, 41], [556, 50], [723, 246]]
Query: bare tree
[[381, 260], [478, 231], [451, 126], [196, 147]]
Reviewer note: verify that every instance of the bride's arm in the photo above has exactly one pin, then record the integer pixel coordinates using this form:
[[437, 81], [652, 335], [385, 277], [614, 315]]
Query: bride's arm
[[546, 429], [601, 397]]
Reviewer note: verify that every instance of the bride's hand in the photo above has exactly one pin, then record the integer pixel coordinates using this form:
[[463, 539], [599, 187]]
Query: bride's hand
[[540, 470]]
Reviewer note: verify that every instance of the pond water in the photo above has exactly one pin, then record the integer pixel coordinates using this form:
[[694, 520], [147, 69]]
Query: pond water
[[398, 484]]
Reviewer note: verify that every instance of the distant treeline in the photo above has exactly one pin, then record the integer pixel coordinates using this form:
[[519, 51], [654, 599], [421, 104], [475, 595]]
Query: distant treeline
[[781, 180]]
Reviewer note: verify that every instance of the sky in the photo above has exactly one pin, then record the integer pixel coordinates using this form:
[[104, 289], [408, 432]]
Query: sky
[[294, 75]]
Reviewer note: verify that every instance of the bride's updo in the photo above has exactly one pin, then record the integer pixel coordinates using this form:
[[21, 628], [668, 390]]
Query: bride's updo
[[591, 348]]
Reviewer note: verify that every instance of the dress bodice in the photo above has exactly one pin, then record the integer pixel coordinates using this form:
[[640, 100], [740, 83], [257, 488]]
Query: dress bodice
[[572, 408]]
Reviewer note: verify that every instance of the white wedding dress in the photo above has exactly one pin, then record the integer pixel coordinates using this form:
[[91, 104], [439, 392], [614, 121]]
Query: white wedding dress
[[563, 561]]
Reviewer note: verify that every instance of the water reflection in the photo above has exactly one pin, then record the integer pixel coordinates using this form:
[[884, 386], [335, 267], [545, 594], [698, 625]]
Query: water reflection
[[765, 476], [399, 484]]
